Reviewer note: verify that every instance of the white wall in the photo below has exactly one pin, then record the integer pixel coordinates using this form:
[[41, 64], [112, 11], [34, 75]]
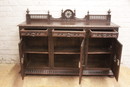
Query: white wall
[[12, 12]]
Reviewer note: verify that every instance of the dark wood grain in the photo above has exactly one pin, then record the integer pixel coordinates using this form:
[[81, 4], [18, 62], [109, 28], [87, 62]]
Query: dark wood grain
[[69, 45]]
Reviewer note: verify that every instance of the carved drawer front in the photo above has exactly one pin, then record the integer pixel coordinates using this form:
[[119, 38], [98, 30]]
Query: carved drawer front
[[33, 33], [95, 33], [68, 33]]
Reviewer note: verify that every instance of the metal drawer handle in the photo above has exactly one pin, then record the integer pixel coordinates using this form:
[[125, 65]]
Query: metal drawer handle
[[33, 34], [104, 35], [68, 34]]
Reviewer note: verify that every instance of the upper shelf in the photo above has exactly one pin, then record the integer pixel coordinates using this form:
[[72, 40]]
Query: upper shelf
[[66, 51], [93, 50], [36, 50], [68, 17]]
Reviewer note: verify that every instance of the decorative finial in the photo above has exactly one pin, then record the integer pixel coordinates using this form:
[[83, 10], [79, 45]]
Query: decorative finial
[[48, 12], [74, 10], [88, 12], [62, 11], [109, 11], [27, 11]]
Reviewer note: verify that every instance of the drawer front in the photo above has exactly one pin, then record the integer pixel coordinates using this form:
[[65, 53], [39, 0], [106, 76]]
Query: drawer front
[[103, 34], [33, 33], [68, 34]]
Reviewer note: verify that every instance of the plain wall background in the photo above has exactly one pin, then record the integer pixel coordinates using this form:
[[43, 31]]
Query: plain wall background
[[12, 12]]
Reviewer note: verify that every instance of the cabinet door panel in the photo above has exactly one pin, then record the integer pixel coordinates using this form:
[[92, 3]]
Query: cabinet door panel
[[81, 65], [21, 55], [117, 50]]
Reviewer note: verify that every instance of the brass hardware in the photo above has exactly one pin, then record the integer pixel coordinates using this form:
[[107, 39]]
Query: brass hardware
[[22, 60], [33, 34], [68, 34], [79, 64], [115, 58], [105, 35], [118, 62]]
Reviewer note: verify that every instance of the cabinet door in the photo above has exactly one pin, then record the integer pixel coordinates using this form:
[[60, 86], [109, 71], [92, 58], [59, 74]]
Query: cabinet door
[[117, 50], [21, 55], [81, 65], [21, 50]]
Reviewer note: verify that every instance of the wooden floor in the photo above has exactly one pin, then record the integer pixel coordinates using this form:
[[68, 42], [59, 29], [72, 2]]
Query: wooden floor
[[10, 77]]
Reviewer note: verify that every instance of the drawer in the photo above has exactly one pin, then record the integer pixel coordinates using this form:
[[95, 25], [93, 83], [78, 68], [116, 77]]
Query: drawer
[[103, 33], [33, 33], [68, 33]]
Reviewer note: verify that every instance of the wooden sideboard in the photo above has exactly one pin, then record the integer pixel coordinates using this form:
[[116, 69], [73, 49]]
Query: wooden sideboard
[[69, 45]]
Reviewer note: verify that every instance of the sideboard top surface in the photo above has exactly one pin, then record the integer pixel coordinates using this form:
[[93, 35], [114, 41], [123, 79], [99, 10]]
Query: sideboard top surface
[[66, 24]]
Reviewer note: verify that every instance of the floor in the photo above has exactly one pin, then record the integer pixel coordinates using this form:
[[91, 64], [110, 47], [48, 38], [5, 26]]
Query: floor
[[10, 77]]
